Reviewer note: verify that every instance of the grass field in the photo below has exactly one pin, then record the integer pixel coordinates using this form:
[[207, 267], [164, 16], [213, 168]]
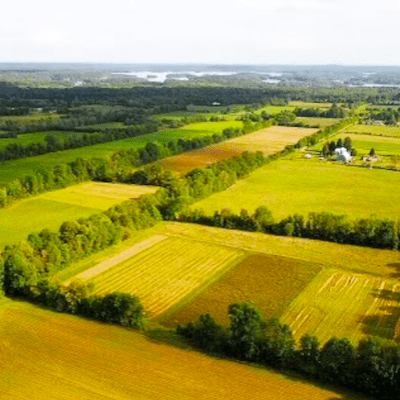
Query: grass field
[[267, 281], [30, 138], [375, 130], [321, 122], [383, 145], [269, 141], [162, 270], [30, 118], [51, 209], [11, 170], [342, 304], [302, 186], [303, 104], [51, 356]]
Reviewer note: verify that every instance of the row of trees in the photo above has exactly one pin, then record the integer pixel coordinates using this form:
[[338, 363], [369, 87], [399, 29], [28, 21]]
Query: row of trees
[[370, 232], [333, 112], [372, 367], [330, 147]]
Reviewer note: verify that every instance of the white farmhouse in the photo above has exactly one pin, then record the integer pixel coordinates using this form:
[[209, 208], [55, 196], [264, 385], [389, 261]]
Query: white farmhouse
[[343, 155]]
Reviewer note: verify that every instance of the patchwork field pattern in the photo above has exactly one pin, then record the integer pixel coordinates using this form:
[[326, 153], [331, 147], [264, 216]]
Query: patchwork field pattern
[[51, 209], [14, 169], [56, 356], [166, 272], [267, 281], [302, 186], [270, 140], [344, 304]]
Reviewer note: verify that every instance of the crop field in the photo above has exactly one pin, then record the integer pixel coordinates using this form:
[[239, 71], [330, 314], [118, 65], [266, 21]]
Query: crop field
[[11, 170], [162, 270], [321, 122], [269, 141], [47, 355], [303, 104], [344, 304], [375, 130], [302, 186], [51, 209], [267, 281], [108, 125], [30, 118]]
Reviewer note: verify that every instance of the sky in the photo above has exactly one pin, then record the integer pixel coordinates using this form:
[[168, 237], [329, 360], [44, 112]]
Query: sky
[[349, 32]]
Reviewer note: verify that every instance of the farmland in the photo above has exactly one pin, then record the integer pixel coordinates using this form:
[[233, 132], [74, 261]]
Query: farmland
[[268, 141], [147, 270], [51, 209], [302, 186], [343, 304], [267, 281], [54, 356], [320, 122], [375, 130], [214, 268], [11, 170]]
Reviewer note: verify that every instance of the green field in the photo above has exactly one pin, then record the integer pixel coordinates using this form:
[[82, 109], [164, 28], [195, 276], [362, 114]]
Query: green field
[[52, 356], [11, 170], [375, 130], [302, 186], [51, 209], [39, 137]]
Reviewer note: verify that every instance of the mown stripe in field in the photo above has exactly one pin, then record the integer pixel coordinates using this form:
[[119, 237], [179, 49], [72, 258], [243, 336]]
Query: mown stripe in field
[[166, 272]]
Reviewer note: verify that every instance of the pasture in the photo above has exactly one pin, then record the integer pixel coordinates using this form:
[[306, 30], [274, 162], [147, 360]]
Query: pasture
[[375, 130], [162, 271], [51, 209], [269, 141], [11, 170], [344, 304], [301, 186], [47, 355]]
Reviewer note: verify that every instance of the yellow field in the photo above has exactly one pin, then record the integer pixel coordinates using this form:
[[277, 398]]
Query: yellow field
[[321, 122], [303, 104], [51, 356], [163, 271], [343, 304], [375, 130], [269, 141]]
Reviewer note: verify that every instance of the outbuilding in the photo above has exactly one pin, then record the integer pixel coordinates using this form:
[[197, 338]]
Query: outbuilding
[[343, 155]]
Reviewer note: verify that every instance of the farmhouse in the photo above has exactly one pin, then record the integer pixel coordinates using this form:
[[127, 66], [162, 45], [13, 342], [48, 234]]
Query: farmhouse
[[343, 155]]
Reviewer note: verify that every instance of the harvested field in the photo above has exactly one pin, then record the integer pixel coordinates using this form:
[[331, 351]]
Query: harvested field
[[321, 122], [51, 209], [344, 304], [52, 356], [301, 186], [267, 281], [269, 141], [165, 273]]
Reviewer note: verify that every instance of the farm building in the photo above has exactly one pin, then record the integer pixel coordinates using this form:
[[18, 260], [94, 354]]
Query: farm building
[[343, 155]]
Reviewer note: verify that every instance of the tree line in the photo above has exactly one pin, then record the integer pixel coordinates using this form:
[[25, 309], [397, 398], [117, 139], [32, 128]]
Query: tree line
[[335, 111], [371, 367]]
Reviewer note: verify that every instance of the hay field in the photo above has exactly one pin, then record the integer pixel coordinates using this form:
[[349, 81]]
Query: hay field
[[321, 122], [303, 104], [269, 141], [267, 281], [51, 356], [163, 272], [343, 304], [11, 170], [302, 186], [375, 130], [51, 209]]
